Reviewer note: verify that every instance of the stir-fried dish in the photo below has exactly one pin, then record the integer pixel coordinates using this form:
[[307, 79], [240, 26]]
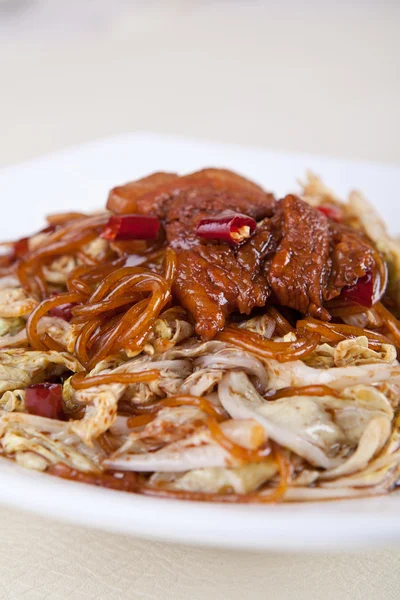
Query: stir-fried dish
[[201, 339]]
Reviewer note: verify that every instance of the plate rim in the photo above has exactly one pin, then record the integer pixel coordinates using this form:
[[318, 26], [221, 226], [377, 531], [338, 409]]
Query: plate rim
[[262, 527]]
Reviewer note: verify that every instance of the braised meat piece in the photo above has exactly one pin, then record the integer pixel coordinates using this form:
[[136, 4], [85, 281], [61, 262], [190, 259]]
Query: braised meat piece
[[300, 267], [181, 202], [212, 192], [215, 280], [256, 254], [211, 282], [297, 255], [352, 258], [123, 199], [150, 193], [316, 259]]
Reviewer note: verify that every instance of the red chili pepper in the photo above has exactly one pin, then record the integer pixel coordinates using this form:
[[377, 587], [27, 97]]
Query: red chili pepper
[[20, 248], [361, 292], [229, 226], [332, 212], [63, 311], [131, 227], [45, 400], [48, 229]]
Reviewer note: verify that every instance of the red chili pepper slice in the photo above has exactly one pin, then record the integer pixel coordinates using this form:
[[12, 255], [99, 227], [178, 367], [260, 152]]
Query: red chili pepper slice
[[63, 311], [361, 292], [131, 227], [332, 212], [20, 248], [229, 226], [45, 400]]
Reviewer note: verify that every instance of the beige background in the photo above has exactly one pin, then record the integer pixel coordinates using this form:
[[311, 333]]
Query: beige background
[[299, 76], [41, 560], [302, 76]]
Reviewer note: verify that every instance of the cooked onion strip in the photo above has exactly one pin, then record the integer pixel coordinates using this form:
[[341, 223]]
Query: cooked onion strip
[[283, 326], [40, 311], [83, 341], [80, 382], [306, 390], [68, 240], [334, 332], [280, 351], [87, 276], [128, 287], [346, 310]]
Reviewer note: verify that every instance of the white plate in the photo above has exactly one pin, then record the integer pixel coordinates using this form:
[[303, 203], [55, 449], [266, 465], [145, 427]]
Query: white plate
[[79, 179]]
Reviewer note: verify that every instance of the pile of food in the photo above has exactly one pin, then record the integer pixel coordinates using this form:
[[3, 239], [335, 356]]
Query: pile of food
[[201, 339]]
